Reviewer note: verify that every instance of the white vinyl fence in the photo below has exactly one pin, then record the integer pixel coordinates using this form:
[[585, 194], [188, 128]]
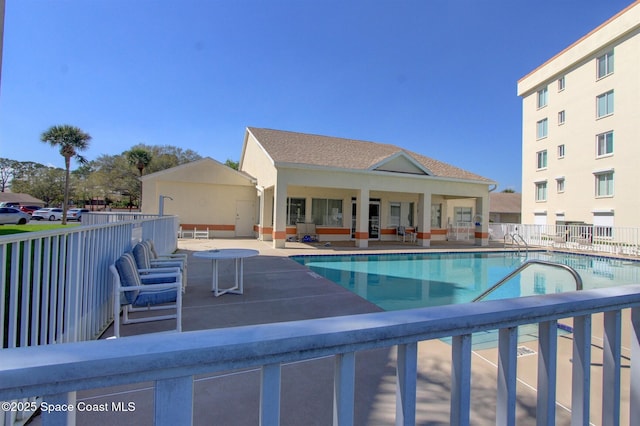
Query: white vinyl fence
[[55, 286], [600, 239]]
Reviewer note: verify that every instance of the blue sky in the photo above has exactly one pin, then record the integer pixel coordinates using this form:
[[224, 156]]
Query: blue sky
[[436, 77]]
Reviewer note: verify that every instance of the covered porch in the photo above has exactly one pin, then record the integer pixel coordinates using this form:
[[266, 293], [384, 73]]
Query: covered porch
[[365, 208]]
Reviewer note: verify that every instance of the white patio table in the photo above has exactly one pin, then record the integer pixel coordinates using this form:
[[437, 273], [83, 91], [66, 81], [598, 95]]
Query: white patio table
[[228, 254]]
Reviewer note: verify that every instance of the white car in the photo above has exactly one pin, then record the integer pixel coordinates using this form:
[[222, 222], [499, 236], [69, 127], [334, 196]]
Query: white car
[[76, 214], [47, 214], [10, 215]]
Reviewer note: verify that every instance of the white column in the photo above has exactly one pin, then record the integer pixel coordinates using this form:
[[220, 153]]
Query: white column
[[362, 221], [280, 215], [424, 219], [481, 221]]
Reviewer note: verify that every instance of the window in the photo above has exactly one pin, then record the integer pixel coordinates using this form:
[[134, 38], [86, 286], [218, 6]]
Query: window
[[436, 215], [394, 214], [561, 118], [326, 212], [541, 129], [561, 84], [542, 97], [541, 161], [604, 184], [295, 210], [561, 151], [541, 191], [560, 184], [604, 104], [605, 64], [463, 214], [604, 144]]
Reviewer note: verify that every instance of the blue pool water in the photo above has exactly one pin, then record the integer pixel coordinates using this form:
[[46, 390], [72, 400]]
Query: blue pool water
[[405, 281]]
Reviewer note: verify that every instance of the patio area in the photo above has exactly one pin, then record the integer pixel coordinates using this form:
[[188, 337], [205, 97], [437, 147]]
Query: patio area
[[277, 289]]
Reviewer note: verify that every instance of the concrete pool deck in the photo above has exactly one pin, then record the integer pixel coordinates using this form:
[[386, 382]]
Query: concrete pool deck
[[278, 289]]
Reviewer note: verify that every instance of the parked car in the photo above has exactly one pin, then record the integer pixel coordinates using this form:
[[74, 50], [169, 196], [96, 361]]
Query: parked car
[[47, 214], [76, 214], [10, 215], [30, 209]]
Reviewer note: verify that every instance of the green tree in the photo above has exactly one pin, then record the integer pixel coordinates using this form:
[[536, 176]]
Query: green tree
[[8, 169], [70, 140], [140, 158], [233, 164]]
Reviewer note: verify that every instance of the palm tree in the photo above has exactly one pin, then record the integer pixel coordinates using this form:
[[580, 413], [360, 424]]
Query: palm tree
[[70, 139], [140, 158]]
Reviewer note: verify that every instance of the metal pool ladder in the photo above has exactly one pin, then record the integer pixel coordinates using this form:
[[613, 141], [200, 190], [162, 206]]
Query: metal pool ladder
[[525, 265], [519, 241]]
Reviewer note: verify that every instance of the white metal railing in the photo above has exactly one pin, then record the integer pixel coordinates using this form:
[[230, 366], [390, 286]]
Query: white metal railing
[[57, 371], [55, 286], [96, 218], [461, 231], [610, 240]]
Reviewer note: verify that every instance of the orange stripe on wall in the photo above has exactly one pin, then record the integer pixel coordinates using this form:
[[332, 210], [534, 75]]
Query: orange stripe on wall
[[424, 235], [362, 235], [333, 231], [439, 232], [279, 235], [481, 235]]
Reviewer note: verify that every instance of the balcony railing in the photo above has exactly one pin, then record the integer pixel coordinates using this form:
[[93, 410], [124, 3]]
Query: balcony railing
[[57, 371]]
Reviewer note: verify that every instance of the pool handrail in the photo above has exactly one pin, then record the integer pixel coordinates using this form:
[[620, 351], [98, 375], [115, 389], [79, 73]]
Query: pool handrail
[[525, 265]]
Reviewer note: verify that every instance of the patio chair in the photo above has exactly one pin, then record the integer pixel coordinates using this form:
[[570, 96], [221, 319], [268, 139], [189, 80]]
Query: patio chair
[[145, 260], [144, 291], [403, 232]]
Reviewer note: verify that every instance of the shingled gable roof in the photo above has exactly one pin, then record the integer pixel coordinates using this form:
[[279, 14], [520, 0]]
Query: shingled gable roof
[[286, 147]]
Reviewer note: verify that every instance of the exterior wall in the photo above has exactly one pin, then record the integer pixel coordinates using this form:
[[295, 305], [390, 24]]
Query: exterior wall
[[257, 163], [578, 134], [205, 194], [505, 218]]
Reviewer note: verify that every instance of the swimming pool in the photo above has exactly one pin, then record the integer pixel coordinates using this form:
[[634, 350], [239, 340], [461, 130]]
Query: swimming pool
[[405, 281]]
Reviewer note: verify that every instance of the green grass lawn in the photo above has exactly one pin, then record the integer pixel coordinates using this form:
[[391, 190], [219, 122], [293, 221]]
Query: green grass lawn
[[32, 227]]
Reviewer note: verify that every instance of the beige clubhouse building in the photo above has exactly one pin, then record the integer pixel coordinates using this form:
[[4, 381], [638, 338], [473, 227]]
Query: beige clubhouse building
[[349, 189], [581, 130]]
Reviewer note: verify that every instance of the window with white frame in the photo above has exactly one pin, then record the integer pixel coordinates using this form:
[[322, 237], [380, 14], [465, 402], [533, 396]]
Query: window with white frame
[[561, 151], [604, 184], [541, 129], [436, 215], [561, 83], [296, 210], [463, 214], [604, 144], [543, 97], [394, 214], [560, 184], [541, 159], [605, 64], [541, 191], [326, 212], [604, 104], [561, 118]]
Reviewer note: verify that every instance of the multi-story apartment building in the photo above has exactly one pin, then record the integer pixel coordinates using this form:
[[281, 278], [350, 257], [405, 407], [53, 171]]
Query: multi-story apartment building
[[581, 130]]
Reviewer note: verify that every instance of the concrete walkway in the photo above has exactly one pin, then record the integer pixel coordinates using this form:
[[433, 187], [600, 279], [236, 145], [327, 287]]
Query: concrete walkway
[[279, 289]]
